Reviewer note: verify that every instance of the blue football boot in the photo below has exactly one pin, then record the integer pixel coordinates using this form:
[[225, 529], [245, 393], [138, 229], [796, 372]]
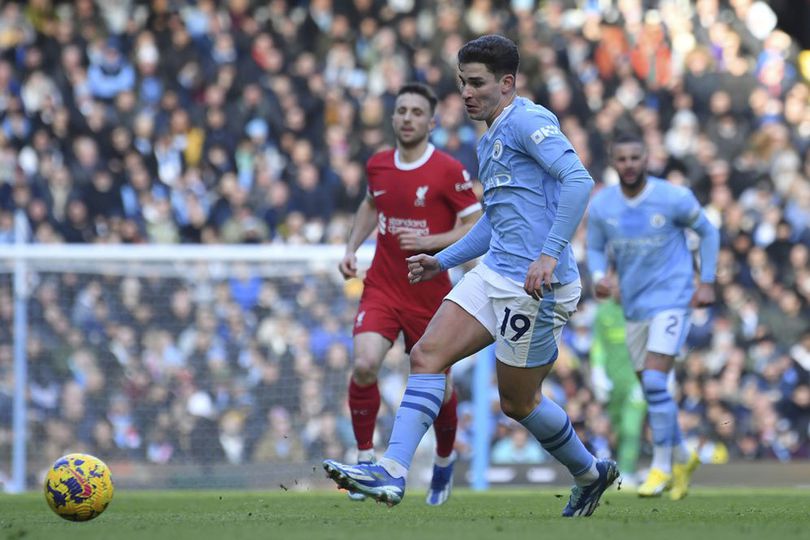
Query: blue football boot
[[369, 479], [585, 499], [441, 484]]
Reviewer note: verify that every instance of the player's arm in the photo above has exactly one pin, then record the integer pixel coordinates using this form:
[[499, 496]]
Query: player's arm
[[365, 219], [574, 194], [596, 242], [475, 243], [542, 139], [434, 242], [691, 215]]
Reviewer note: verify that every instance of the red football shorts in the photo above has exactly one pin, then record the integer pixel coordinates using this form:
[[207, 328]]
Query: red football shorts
[[380, 314]]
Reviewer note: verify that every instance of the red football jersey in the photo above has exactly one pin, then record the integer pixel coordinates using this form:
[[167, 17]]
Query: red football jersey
[[426, 197]]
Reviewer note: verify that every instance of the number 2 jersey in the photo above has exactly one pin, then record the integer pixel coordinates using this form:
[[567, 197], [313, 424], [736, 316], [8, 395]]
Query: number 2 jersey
[[645, 238], [424, 197]]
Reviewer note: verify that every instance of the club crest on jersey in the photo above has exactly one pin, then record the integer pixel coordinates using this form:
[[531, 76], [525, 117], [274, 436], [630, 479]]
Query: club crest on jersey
[[657, 221], [421, 193], [497, 149]]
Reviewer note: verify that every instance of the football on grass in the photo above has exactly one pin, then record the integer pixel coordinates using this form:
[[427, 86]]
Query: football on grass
[[78, 487]]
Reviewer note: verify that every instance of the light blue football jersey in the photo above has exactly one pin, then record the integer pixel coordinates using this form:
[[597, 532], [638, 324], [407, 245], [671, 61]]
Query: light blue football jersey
[[646, 240], [520, 197]]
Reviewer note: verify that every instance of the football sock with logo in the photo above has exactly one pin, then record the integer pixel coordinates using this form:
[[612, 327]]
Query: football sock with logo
[[364, 404], [420, 405], [445, 427], [663, 415], [551, 426]]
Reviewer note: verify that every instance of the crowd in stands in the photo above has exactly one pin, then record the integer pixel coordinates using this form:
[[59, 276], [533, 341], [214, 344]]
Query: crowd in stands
[[237, 121]]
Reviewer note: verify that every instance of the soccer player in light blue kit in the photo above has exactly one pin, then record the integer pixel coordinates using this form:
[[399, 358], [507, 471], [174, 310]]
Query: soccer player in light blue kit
[[641, 223], [535, 193]]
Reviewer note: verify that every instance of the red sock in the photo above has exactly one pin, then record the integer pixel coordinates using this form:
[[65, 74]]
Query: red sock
[[364, 404], [445, 426]]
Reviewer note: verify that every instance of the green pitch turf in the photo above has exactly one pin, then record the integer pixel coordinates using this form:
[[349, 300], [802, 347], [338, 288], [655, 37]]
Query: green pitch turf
[[287, 515]]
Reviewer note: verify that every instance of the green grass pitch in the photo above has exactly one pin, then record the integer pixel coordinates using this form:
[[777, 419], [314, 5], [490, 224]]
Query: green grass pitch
[[716, 514]]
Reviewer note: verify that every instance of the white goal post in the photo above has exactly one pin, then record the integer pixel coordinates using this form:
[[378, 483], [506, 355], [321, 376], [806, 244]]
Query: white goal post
[[27, 268], [188, 365]]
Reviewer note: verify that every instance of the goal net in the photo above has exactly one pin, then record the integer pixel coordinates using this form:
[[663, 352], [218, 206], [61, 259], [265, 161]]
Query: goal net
[[180, 366]]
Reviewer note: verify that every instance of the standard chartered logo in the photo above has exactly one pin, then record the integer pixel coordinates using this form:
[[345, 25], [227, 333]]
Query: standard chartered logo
[[382, 222]]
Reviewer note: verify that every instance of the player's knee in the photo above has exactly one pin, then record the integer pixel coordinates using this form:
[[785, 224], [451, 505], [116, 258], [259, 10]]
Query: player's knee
[[365, 371], [424, 359], [517, 409], [658, 362]]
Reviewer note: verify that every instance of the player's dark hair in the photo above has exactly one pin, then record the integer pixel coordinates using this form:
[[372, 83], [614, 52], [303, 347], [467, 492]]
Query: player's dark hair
[[499, 54], [627, 137], [422, 90]]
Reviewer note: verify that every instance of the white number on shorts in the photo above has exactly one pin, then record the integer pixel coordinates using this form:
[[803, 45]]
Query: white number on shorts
[[519, 323]]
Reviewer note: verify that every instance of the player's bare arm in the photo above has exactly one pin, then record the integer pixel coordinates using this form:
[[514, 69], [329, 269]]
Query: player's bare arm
[[410, 241], [704, 295], [364, 222]]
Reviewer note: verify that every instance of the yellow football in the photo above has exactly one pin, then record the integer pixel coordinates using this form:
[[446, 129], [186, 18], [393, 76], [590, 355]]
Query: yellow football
[[78, 487]]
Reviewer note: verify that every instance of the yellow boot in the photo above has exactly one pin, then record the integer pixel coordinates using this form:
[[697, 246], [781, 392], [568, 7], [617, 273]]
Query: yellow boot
[[656, 483], [681, 474]]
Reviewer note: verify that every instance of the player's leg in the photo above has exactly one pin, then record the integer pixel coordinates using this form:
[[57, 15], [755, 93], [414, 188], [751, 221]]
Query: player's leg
[[445, 425], [446, 422], [526, 347], [665, 337], [630, 423], [364, 395], [658, 479], [454, 333], [518, 388], [662, 413], [375, 330], [668, 332]]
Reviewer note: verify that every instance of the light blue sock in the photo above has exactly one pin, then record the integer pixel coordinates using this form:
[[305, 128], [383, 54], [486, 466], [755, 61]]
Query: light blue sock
[[551, 426], [420, 405], [663, 413]]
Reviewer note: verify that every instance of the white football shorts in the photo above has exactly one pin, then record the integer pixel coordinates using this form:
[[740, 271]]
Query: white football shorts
[[664, 333], [526, 331]]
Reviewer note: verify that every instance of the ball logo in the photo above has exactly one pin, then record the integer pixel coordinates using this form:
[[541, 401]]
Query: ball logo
[[658, 221], [497, 149]]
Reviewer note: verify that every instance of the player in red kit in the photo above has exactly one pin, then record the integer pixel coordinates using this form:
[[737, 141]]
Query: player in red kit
[[421, 200]]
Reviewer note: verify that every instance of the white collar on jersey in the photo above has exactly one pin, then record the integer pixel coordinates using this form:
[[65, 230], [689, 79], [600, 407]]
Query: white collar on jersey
[[638, 199], [500, 117], [413, 164]]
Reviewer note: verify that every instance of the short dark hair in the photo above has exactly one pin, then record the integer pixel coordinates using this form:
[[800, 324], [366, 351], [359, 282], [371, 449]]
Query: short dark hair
[[421, 89], [498, 53], [627, 137]]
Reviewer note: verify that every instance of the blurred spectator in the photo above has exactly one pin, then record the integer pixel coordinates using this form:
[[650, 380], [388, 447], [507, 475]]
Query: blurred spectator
[[517, 447], [248, 122]]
